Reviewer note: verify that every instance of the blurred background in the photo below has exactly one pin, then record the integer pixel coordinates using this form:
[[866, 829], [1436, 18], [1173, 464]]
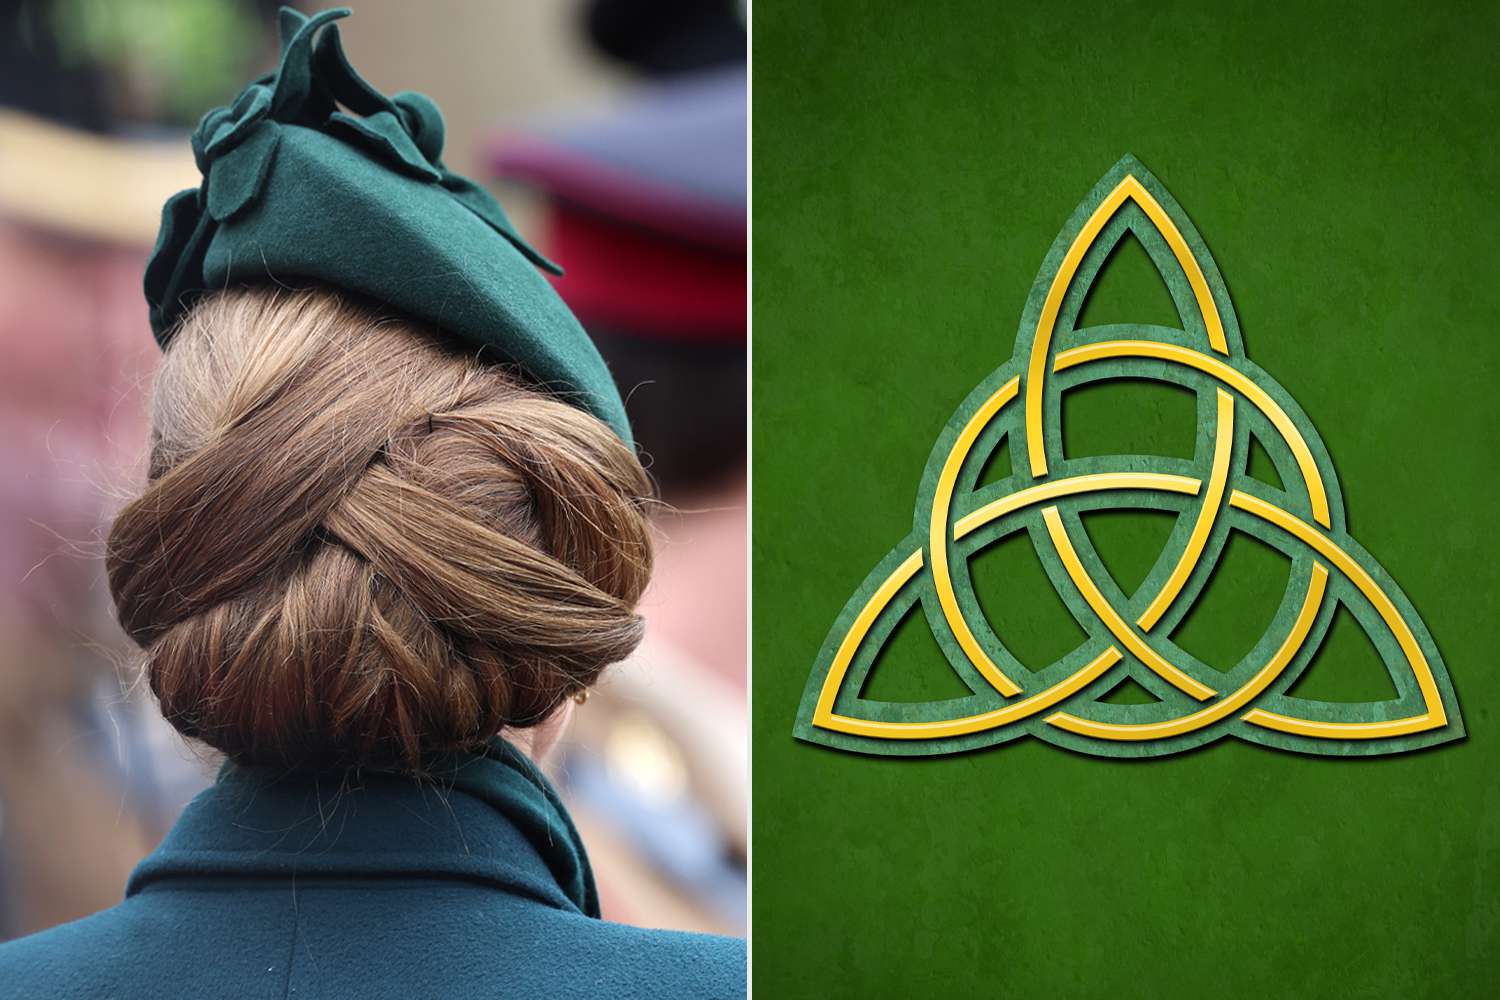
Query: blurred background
[[614, 133]]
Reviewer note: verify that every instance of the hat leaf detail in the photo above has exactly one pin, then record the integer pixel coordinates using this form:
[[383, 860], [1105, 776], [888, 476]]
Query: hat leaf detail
[[311, 177], [385, 135], [235, 145], [238, 177]]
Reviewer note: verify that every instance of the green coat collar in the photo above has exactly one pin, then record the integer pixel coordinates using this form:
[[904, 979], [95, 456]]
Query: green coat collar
[[489, 817]]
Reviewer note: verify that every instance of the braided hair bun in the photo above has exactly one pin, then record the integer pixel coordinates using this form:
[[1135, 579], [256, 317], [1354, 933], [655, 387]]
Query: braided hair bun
[[358, 547]]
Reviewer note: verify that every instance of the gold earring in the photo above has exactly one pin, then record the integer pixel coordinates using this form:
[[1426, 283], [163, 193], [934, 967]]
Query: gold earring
[[581, 695]]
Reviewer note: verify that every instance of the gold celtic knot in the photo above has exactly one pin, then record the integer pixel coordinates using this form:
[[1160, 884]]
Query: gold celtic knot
[[1129, 635]]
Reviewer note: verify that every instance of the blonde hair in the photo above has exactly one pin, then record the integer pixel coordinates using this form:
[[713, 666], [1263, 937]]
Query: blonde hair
[[359, 547]]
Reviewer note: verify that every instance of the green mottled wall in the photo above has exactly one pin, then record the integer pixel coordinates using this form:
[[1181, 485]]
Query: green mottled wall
[[912, 163]]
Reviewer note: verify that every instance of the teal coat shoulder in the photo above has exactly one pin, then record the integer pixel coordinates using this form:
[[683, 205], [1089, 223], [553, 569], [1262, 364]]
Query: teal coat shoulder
[[324, 887]]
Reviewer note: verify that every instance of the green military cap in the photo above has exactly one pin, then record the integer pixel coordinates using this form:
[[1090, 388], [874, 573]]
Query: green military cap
[[314, 174]]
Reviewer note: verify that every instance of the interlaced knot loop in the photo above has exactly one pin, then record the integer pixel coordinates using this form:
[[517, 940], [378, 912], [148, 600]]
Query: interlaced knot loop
[[367, 541], [1129, 634]]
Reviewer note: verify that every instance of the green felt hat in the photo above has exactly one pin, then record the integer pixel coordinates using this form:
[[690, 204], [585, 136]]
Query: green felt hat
[[312, 173]]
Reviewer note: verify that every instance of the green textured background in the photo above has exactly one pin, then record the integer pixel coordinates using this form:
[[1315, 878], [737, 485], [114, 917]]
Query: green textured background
[[911, 165]]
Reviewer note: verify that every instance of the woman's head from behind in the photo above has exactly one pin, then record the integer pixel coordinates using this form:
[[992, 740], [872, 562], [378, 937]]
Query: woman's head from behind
[[361, 547]]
